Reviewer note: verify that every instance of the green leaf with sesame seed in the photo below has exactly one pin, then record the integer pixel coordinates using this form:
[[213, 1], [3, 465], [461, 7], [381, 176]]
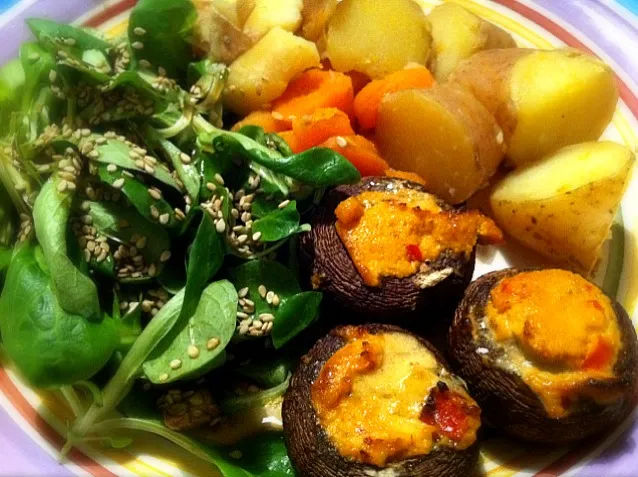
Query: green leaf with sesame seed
[[279, 224], [76, 292], [59, 32], [214, 318], [137, 193], [119, 153], [160, 32]]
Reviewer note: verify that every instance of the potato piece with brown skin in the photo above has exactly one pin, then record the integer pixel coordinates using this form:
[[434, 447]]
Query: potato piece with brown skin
[[267, 14], [563, 206], [316, 14], [443, 134], [217, 34], [543, 100], [244, 9], [377, 37], [262, 73], [457, 34]]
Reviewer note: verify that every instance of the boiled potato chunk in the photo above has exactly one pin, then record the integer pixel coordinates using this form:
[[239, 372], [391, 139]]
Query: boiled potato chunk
[[443, 134], [377, 37], [268, 14], [262, 73], [543, 100], [316, 14], [563, 206], [457, 34]]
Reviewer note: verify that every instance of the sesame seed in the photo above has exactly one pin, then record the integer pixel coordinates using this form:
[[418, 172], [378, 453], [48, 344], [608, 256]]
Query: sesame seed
[[155, 194], [276, 300], [243, 292], [119, 183], [277, 116], [210, 186], [164, 218], [138, 45], [269, 296], [149, 169], [266, 317], [62, 185], [186, 159], [262, 291], [256, 236], [163, 377], [284, 204], [341, 141], [35, 57], [166, 255], [111, 168], [256, 325], [193, 351], [154, 212], [162, 71], [220, 226], [249, 302], [53, 75], [176, 364], [152, 270], [219, 178], [242, 316], [212, 343], [243, 329], [69, 41], [139, 31], [141, 242]]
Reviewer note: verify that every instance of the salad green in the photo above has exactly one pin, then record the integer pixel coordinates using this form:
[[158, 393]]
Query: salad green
[[141, 244]]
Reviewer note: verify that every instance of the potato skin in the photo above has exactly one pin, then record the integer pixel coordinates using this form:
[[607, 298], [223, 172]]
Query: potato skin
[[525, 91], [443, 134], [457, 34], [509, 404], [326, 261], [377, 38], [309, 448]]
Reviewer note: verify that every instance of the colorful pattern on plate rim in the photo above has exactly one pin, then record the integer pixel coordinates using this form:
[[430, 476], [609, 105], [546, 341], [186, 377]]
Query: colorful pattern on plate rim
[[33, 424]]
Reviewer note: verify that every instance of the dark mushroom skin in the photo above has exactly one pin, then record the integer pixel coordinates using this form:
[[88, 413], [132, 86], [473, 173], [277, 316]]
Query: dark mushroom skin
[[309, 447], [509, 404], [399, 301]]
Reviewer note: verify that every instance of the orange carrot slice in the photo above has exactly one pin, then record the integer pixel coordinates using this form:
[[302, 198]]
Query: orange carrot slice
[[312, 130], [366, 103], [263, 119], [361, 152], [315, 89], [291, 139]]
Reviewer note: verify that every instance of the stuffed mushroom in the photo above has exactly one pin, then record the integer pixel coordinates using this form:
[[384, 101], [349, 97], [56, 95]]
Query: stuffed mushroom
[[385, 249], [378, 400], [548, 356]]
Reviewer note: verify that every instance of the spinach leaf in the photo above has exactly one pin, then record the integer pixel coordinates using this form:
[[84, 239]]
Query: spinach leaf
[[263, 455], [267, 374], [279, 224], [316, 167], [8, 219], [154, 210], [160, 32], [49, 346], [12, 81], [59, 32], [295, 315], [76, 293], [195, 347]]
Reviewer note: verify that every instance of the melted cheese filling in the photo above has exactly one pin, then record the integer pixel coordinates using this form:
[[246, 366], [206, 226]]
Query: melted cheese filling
[[391, 233], [559, 331], [370, 395]]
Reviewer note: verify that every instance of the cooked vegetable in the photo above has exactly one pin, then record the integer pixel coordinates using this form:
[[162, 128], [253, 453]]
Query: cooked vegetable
[[367, 102], [262, 73], [385, 250], [525, 91], [218, 33], [267, 14], [361, 152], [547, 355], [312, 90], [377, 38], [563, 206], [443, 134], [458, 34], [316, 14], [263, 119], [312, 130], [371, 398]]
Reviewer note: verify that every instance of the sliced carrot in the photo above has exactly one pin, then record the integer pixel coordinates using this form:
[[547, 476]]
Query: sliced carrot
[[291, 139], [359, 81], [366, 103], [263, 119], [408, 176], [313, 90], [311, 130], [360, 152]]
